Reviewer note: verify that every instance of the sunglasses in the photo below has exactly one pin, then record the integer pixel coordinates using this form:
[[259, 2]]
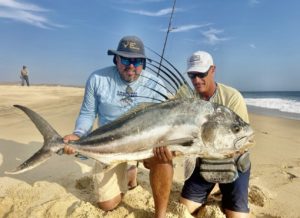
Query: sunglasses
[[200, 75], [134, 61]]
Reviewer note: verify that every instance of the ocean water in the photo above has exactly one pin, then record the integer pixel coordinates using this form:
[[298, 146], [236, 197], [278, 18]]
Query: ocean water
[[281, 104]]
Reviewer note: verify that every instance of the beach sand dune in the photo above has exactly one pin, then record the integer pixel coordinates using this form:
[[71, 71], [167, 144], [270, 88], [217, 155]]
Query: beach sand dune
[[61, 187]]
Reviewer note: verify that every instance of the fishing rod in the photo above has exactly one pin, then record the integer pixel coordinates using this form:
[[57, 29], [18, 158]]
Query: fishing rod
[[166, 38], [174, 78]]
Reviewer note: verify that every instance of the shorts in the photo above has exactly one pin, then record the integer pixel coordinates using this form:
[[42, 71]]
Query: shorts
[[234, 195], [109, 183]]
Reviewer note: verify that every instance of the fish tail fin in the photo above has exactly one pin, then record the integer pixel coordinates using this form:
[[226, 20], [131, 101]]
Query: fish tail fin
[[41, 124], [52, 140], [39, 157]]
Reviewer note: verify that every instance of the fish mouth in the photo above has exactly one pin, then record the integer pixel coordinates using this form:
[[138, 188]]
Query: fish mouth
[[244, 142]]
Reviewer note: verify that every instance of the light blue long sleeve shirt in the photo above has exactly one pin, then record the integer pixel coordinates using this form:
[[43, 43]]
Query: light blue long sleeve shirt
[[108, 96]]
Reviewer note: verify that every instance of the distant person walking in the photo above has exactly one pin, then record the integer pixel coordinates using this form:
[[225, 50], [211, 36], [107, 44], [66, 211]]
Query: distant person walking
[[24, 76]]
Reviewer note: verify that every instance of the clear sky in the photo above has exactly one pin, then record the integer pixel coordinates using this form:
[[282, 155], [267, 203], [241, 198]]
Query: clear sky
[[255, 43]]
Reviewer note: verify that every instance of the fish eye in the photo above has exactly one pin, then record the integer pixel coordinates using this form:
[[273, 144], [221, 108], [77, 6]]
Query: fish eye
[[235, 128], [219, 110]]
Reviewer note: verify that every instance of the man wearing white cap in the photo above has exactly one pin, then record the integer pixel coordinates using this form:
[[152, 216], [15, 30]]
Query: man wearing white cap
[[234, 183]]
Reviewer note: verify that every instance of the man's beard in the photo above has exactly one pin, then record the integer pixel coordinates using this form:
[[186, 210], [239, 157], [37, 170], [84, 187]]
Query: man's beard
[[130, 75]]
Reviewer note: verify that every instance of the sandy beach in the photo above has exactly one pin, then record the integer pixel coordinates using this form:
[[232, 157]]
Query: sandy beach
[[61, 187]]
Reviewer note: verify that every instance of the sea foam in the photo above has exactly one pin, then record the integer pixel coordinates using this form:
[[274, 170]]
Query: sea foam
[[284, 105]]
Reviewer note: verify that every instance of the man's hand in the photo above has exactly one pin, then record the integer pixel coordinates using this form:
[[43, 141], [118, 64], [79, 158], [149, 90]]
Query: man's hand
[[163, 154], [68, 149]]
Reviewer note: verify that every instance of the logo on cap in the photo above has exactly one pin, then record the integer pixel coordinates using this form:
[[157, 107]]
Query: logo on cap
[[130, 45], [195, 60]]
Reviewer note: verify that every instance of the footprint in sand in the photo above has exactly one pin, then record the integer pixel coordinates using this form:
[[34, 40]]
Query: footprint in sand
[[292, 174], [212, 209], [291, 171], [256, 196], [84, 183]]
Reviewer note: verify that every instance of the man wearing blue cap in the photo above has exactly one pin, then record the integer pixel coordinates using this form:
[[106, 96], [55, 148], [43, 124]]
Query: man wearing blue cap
[[109, 93]]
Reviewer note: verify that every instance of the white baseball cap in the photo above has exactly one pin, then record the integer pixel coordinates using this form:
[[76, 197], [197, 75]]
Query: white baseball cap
[[199, 62]]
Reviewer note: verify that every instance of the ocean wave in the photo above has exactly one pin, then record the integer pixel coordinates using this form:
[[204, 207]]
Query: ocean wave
[[284, 105]]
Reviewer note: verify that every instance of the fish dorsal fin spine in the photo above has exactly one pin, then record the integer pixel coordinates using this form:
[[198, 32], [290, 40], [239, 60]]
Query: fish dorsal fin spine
[[184, 91]]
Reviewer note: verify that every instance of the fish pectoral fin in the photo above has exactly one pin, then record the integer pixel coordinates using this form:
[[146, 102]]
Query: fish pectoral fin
[[189, 166], [188, 141]]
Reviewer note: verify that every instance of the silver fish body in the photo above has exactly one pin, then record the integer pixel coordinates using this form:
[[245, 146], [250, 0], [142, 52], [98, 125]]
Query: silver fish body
[[188, 126]]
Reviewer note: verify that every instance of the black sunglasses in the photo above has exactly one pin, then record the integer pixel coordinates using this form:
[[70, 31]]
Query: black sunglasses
[[200, 75]]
